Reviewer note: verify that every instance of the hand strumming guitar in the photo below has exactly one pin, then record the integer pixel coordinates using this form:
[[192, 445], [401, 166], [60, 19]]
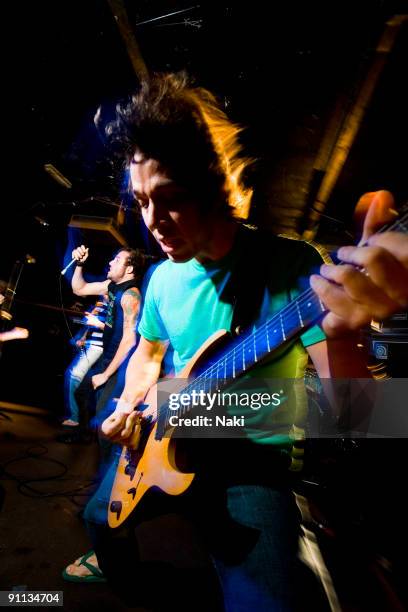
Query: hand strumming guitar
[[143, 367], [122, 425]]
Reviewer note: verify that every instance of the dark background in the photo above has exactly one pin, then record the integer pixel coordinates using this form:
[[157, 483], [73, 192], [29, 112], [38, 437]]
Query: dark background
[[279, 68]]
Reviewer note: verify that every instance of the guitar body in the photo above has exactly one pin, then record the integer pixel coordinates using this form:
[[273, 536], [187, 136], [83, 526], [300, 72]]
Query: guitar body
[[153, 463]]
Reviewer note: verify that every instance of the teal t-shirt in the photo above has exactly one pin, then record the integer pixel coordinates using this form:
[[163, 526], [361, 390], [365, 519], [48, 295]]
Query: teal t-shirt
[[187, 302]]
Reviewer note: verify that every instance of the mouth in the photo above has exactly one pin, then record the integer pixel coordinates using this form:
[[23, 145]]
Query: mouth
[[169, 244]]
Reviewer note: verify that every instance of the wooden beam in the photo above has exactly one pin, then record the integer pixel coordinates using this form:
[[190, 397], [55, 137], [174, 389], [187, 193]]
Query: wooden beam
[[350, 127], [128, 36]]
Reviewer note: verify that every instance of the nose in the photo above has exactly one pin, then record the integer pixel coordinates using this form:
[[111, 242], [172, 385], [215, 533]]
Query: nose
[[154, 215]]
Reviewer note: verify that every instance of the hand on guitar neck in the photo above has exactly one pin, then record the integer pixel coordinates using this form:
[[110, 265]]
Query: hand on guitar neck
[[17, 333], [372, 283]]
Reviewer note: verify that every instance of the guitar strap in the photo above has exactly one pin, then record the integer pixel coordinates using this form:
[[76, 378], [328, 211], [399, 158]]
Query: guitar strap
[[249, 276]]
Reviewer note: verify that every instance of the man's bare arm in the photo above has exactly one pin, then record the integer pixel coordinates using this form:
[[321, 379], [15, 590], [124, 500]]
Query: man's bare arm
[[130, 303], [142, 373], [78, 283]]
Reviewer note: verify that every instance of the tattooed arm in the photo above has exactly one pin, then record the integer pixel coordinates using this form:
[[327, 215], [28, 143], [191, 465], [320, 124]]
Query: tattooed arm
[[130, 303]]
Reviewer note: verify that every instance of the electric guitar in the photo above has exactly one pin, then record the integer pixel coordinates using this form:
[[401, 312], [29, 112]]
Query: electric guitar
[[152, 463]]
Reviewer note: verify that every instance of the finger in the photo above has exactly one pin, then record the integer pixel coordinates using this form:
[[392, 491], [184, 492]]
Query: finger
[[333, 325], [384, 271], [362, 207], [80, 253], [378, 256], [77, 254], [113, 425], [394, 242], [379, 207], [336, 300], [361, 289], [130, 424]]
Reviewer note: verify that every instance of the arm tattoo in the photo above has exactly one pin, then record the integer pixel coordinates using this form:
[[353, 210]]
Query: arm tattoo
[[130, 304]]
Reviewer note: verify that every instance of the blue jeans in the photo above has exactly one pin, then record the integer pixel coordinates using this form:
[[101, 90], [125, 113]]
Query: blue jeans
[[262, 579], [75, 374], [96, 510]]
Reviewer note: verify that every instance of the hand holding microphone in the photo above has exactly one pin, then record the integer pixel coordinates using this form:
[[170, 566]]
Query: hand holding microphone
[[79, 256]]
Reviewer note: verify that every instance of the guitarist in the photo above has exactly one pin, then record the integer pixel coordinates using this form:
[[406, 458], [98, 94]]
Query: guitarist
[[183, 157]]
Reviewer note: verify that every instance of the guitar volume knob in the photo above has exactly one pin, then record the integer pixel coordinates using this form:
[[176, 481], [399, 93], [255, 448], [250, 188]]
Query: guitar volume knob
[[116, 508], [130, 470]]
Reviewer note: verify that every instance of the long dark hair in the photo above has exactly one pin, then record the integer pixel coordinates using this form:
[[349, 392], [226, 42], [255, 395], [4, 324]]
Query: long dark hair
[[185, 130]]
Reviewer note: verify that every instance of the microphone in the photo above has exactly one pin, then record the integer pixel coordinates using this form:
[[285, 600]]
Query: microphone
[[42, 221], [68, 266]]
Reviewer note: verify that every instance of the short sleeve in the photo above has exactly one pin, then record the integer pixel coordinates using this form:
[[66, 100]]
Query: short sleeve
[[313, 335], [151, 325]]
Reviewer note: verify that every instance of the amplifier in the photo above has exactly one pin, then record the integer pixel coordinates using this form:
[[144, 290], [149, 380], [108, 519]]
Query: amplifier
[[388, 344]]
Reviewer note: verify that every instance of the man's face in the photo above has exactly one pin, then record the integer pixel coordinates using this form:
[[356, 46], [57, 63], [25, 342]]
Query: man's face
[[170, 212], [118, 267]]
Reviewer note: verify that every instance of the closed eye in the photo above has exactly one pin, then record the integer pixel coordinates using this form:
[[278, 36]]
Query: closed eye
[[141, 201]]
